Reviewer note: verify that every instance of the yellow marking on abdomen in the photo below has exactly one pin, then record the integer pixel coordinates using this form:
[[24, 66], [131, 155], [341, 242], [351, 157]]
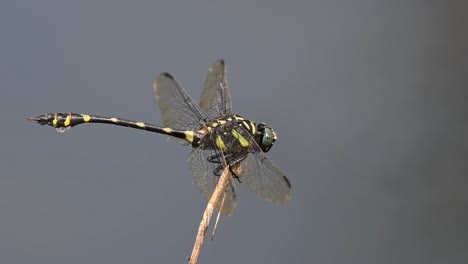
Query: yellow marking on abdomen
[[67, 121], [140, 124], [115, 120], [242, 140], [204, 130], [86, 118], [55, 121], [189, 136], [220, 143], [167, 129]]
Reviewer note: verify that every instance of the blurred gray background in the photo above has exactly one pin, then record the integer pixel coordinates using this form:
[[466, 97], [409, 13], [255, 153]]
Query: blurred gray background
[[369, 99]]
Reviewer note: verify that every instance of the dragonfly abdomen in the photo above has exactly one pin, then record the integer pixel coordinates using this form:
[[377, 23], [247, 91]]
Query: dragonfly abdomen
[[64, 121]]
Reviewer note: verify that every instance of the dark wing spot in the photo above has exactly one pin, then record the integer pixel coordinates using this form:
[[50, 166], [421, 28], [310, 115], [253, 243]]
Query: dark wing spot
[[165, 74], [287, 181]]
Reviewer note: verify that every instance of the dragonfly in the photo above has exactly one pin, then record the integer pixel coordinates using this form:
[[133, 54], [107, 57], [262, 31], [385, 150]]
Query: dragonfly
[[219, 138]]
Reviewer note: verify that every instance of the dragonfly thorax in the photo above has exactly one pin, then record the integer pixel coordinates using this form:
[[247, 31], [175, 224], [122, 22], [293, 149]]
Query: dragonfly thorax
[[262, 134]]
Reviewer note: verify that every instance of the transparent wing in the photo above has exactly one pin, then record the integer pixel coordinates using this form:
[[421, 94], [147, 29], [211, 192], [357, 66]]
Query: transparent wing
[[202, 170], [178, 109], [215, 99], [261, 175]]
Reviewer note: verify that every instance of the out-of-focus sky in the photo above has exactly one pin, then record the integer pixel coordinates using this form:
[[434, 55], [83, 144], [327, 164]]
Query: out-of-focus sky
[[369, 99]]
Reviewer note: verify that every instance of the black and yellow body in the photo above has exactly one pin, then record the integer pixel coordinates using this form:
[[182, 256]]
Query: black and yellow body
[[64, 121], [218, 137], [226, 136]]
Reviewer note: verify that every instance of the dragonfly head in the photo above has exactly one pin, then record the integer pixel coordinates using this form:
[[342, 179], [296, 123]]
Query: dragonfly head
[[265, 137]]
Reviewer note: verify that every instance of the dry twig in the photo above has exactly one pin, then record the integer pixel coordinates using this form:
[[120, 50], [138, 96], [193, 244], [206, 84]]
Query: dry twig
[[204, 223]]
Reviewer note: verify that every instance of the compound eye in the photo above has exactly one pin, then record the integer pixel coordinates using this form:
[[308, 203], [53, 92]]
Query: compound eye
[[261, 127], [268, 137], [265, 137]]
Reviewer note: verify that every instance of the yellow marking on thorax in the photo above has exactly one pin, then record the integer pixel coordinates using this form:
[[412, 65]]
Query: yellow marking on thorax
[[220, 143], [189, 136], [67, 121], [86, 118], [238, 118], [222, 122], [242, 140], [214, 124], [140, 124], [167, 129], [247, 125], [115, 120], [253, 128]]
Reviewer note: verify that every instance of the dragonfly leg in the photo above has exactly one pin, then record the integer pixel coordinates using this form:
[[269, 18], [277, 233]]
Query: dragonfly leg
[[232, 160], [235, 167]]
